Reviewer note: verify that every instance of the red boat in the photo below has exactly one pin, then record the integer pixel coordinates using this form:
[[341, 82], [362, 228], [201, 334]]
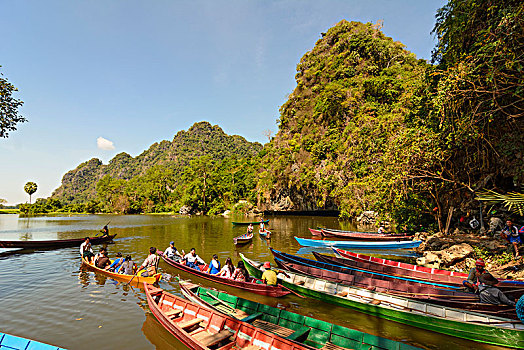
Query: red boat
[[363, 236], [253, 287], [201, 328], [55, 243], [243, 239], [315, 232]]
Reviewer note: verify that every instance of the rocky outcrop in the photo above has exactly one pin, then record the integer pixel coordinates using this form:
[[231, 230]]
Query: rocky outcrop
[[446, 257]]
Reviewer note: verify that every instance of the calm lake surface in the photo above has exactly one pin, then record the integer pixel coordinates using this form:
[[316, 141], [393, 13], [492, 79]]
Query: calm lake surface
[[47, 296]]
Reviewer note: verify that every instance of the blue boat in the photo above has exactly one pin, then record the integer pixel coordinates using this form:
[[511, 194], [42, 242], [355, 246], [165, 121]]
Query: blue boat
[[12, 342], [357, 244]]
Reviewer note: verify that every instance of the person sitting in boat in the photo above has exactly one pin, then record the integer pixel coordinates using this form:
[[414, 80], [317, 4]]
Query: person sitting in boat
[[150, 263], [99, 255], [250, 228], [193, 260], [489, 294], [471, 284], [103, 261], [262, 226], [172, 253], [228, 269], [240, 273], [214, 265], [269, 276], [86, 251], [127, 267], [105, 231], [117, 262]]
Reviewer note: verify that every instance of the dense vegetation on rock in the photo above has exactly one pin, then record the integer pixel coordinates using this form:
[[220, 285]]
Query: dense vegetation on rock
[[9, 115], [368, 127]]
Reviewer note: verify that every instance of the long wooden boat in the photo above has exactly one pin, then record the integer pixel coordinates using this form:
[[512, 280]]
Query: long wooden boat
[[315, 232], [370, 280], [346, 254], [454, 322], [253, 287], [364, 236], [55, 243], [135, 279], [12, 342], [318, 333], [236, 223], [345, 231], [201, 328], [358, 245], [243, 239]]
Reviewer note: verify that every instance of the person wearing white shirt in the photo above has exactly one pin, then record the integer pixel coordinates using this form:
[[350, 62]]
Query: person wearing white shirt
[[193, 260]]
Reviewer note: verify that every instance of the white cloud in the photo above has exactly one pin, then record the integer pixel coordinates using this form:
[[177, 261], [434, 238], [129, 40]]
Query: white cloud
[[104, 144]]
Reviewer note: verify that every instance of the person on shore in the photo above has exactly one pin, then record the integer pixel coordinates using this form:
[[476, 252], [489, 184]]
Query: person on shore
[[172, 253], [269, 276], [86, 251], [150, 263], [250, 228], [489, 294], [228, 269], [240, 273], [105, 231], [99, 255], [381, 230], [117, 262], [193, 260], [471, 284], [511, 234], [127, 267], [103, 261], [214, 265]]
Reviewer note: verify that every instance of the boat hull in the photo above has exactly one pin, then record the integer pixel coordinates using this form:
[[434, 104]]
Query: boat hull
[[502, 332], [135, 279], [243, 239], [57, 243], [262, 289], [364, 236], [357, 245]]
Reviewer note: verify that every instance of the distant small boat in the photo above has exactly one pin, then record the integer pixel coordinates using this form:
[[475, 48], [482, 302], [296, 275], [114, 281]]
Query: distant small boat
[[12, 342], [200, 328], [264, 233], [250, 223], [364, 236], [358, 244], [55, 243], [243, 239]]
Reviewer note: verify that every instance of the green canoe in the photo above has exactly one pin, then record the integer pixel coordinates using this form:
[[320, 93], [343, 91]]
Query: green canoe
[[252, 223], [454, 322], [305, 330]]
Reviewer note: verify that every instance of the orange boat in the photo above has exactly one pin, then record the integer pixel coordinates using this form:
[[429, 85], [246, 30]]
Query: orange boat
[[135, 279]]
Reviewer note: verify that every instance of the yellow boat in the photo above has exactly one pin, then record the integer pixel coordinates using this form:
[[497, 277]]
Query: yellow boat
[[134, 279]]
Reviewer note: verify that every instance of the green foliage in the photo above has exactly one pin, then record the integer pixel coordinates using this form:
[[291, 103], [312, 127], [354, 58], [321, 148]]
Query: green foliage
[[499, 258], [30, 188], [9, 117]]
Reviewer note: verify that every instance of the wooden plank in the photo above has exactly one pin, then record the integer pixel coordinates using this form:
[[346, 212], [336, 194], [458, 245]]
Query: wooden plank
[[190, 323]]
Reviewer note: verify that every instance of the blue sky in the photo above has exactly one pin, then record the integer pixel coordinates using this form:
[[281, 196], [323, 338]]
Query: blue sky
[[136, 72]]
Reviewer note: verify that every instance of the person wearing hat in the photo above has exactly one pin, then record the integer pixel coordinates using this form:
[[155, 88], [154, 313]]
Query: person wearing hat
[[473, 278], [269, 276], [489, 294], [172, 253]]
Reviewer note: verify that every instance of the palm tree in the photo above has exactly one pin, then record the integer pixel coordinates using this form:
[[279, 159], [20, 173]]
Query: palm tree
[[30, 188], [514, 201]]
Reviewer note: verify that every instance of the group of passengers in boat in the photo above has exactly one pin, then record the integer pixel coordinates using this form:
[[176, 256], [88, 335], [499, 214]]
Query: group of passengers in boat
[[214, 267]]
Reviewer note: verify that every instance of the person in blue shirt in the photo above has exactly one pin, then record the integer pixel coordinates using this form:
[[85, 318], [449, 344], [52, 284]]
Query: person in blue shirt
[[214, 265], [117, 262], [511, 234]]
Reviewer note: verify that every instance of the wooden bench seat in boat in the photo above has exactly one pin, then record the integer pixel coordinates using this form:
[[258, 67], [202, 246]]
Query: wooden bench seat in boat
[[173, 313], [331, 346], [251, 317], [210, 339], [190, 323], [281, 331]]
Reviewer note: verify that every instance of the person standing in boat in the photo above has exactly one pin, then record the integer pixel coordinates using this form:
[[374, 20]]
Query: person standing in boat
[[471, 284], [193, 260], [214, 265], [489, 294], [150, 263], [86, 251]]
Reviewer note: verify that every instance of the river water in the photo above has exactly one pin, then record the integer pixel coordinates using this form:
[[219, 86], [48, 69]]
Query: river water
[[47, 296]]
